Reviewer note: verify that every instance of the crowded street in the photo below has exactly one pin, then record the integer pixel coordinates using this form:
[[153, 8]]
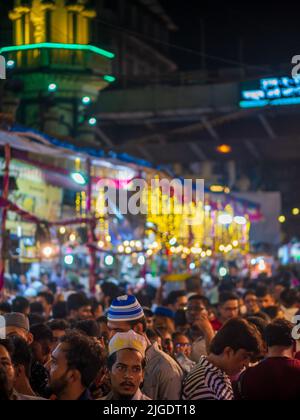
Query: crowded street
[[149, 204]]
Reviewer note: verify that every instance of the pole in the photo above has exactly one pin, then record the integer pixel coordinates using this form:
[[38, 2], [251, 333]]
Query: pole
[[91, 230], [5, 194], [203, 44]]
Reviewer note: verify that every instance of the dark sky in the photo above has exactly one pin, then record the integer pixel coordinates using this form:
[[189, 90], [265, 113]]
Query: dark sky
[[269, 31]]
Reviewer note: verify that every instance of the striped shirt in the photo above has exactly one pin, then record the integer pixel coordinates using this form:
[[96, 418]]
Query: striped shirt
[[207, 382]]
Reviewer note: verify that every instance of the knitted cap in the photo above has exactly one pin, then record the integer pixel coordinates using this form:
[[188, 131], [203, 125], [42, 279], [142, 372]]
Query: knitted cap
[[129, 340], [125, 308]]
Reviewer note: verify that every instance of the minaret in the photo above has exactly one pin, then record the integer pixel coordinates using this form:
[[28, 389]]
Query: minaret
[[61, 72]]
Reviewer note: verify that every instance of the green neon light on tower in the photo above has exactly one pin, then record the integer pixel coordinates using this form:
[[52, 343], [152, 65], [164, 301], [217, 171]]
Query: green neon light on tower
[[51, 45], [109, 79]]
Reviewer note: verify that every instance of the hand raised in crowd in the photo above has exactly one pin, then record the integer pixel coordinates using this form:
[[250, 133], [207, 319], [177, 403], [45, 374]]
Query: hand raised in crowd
[[203, 323]]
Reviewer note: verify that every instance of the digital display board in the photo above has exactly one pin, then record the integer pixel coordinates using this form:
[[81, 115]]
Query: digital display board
[[275, 91]]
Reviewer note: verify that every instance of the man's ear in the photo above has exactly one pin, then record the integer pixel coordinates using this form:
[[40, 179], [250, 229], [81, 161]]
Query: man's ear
[[29, 338], [19, 371], [228, 352], [74, 375]]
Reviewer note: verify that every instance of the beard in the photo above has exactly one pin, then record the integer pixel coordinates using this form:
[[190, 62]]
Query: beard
[[58, 386], [124, 395]]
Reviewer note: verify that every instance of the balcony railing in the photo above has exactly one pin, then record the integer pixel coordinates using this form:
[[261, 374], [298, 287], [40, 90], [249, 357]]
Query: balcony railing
[[60, 56]]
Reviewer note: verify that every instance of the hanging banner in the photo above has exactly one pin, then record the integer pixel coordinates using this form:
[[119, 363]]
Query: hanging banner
[[33, 195]]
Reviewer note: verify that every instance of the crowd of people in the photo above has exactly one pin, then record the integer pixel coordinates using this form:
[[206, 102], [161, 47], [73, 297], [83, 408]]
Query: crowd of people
[[237, 339]]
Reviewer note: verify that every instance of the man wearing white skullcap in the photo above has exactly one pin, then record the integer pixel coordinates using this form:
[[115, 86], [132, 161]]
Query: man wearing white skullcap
[[163, 375], [126, 365]]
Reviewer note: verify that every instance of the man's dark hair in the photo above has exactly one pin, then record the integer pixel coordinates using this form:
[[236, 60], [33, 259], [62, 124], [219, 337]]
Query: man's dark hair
[[77, 301], [102, 320], [88, 327], [58, 324], [279, 333], [178, 334], [52, 286], [85, 355], [36, 319], [59, 310], [153, 333], [289, 298], [110, 290], [226, 297], [260, 323], [4, 389], [237, 334], [148, 313], [144, 298], [48, 297], [20, 304], [202, 298], [262, 292], [174, 295], [95, 304], [21, 354], [8, 345], [41, 332], [5, 308], [180, 318], [36, 308], [263, 315], [272, 311], [249, 293], [113, 358]]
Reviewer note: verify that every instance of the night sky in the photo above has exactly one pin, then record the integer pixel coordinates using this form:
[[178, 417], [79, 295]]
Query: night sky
[[269, 31]]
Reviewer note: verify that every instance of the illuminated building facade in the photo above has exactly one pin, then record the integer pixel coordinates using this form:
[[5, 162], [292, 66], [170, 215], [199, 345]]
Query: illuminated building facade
[[55, 68]]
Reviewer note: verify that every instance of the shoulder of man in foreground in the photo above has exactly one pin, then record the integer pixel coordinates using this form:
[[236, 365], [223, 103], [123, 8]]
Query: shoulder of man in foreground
[[22, 397]]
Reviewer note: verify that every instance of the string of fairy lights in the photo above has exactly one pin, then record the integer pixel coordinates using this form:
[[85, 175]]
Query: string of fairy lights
[[294, 213], [192, 230]]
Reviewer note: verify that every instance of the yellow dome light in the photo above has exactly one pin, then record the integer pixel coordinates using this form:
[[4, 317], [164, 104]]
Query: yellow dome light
[[282, 219], [72, 237], [217, 188], [224, 149]]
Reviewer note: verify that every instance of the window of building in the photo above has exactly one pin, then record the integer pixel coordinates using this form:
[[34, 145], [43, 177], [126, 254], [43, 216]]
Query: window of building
[[48, 16]]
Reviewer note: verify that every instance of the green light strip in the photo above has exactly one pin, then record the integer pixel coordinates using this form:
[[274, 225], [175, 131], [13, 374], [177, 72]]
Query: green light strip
[[271, 102], [254, 104], [50, 45], [286, 101], [109, 79]]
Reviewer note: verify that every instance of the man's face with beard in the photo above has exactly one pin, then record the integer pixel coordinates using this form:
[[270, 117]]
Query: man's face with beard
[[59, 370], [7, 366], [127, 374]]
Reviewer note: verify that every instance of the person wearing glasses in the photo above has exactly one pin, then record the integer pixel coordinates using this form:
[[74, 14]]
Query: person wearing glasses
[[182, 351]]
